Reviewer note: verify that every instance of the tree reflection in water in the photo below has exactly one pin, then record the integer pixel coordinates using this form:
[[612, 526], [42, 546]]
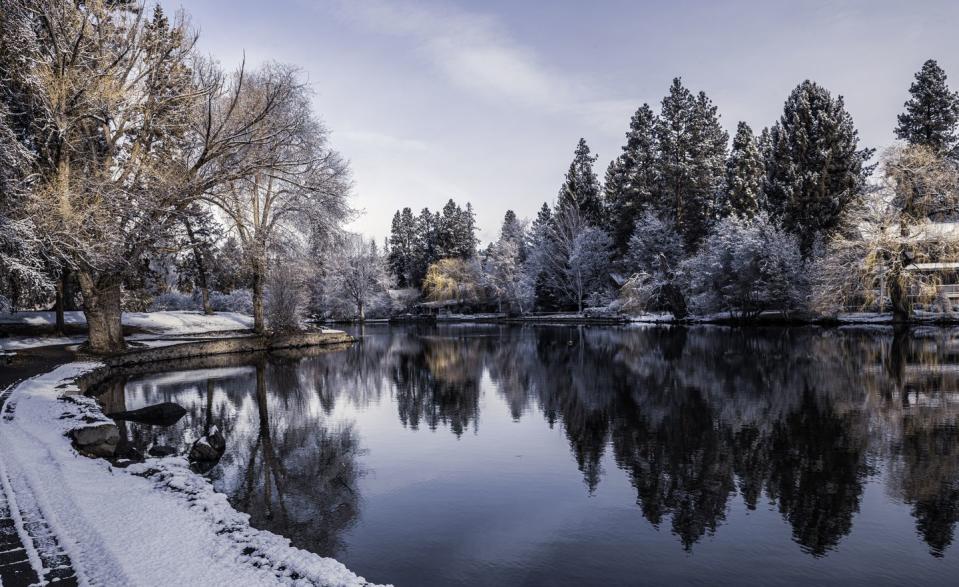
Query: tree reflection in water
[[695, 417]]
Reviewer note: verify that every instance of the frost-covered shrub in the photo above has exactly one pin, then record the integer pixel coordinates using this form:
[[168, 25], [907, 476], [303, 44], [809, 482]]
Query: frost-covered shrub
[[285, 299], [654, 240], [638, 294], [174, 301], [654, 255], [402, 301], [599, 298], [746, 267], [5, 305], [238, 300]]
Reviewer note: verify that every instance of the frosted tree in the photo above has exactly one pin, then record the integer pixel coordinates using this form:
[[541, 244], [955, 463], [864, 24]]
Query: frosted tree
[[514, 230], [104, 97], [745, 171], [358, 272], [298, 185], [581, 186], [892, 229], [631, 178], [932, 111], [815, 169], [402, 247], [538, 245], [691, 164], [22, 267], [504, 268], [576, 261], [198, 239], [746, 267], [654, 253], [456, 232]]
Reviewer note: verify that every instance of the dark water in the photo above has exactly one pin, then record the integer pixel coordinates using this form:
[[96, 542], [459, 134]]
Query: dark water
[[482, 455]]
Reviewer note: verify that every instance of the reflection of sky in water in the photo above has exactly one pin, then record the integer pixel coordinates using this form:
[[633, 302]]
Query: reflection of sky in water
[[427, 456]]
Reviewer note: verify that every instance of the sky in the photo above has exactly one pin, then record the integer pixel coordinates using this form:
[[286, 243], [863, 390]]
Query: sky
[[485, 101]]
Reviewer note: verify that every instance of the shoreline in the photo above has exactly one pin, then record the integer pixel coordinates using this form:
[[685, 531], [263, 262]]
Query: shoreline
[[769, 320], [78, 496]]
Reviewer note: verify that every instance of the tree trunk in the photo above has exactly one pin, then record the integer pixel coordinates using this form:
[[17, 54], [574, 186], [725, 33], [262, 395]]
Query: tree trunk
[[69, 290], [201, 272], [900, 305], [259, 321], [101, 306], [362, 312], [58, 307]]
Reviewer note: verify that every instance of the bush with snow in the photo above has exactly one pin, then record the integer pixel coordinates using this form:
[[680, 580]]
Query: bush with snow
[[746, 267], [653, 241], [174, 301], [285, 299], [238, 300]]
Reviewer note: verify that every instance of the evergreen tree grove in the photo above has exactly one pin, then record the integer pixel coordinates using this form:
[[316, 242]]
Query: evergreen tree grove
[[691, 163], [631, 178]]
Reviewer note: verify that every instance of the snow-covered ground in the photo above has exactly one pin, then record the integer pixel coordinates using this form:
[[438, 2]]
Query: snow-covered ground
[[155, 523], [151, 323]]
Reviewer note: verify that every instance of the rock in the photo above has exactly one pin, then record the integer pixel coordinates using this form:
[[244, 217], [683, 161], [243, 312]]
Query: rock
[[128, 454], [99, 440], [208, 449], [165, 414], [161, 450]]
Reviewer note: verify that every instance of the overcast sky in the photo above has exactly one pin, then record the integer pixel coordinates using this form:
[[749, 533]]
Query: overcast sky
[[484, 101]]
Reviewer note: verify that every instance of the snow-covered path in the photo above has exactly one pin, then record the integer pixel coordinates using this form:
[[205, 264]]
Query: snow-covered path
[[150, 524]]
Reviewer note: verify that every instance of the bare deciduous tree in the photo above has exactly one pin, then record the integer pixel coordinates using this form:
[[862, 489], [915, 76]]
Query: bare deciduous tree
[[358, 272], [894, 229], [283, 181]]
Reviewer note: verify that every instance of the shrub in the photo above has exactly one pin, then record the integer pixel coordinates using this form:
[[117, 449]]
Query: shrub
[[238, 300], [174, 301], [284, 299]]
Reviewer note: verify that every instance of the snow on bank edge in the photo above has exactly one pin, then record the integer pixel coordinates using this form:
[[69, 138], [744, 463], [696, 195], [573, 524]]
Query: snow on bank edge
[[153, 523]]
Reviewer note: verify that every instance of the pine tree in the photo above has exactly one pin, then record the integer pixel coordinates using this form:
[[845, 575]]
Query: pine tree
[[815, 169], [932, 111], [631, 178], [514, 231], [401, 258], [424, 245], [581, 187], [691, 164], [467, 235], [446, 230], [456, 232], [745, 170], [538, 247]]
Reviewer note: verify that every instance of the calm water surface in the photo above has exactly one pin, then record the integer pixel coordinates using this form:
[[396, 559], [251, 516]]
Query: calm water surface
[[486, 455]]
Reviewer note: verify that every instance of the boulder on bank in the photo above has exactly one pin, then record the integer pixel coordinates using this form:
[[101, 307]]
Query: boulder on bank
[[165, 414], [209, 448], [97, 440], [161, 450]]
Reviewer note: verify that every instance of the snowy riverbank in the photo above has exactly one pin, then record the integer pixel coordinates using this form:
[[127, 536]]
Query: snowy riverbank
[[152, 523], [149, 325]]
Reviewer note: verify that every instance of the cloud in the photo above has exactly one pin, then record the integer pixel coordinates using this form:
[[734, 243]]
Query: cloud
[[381, 140], [471, 50]]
